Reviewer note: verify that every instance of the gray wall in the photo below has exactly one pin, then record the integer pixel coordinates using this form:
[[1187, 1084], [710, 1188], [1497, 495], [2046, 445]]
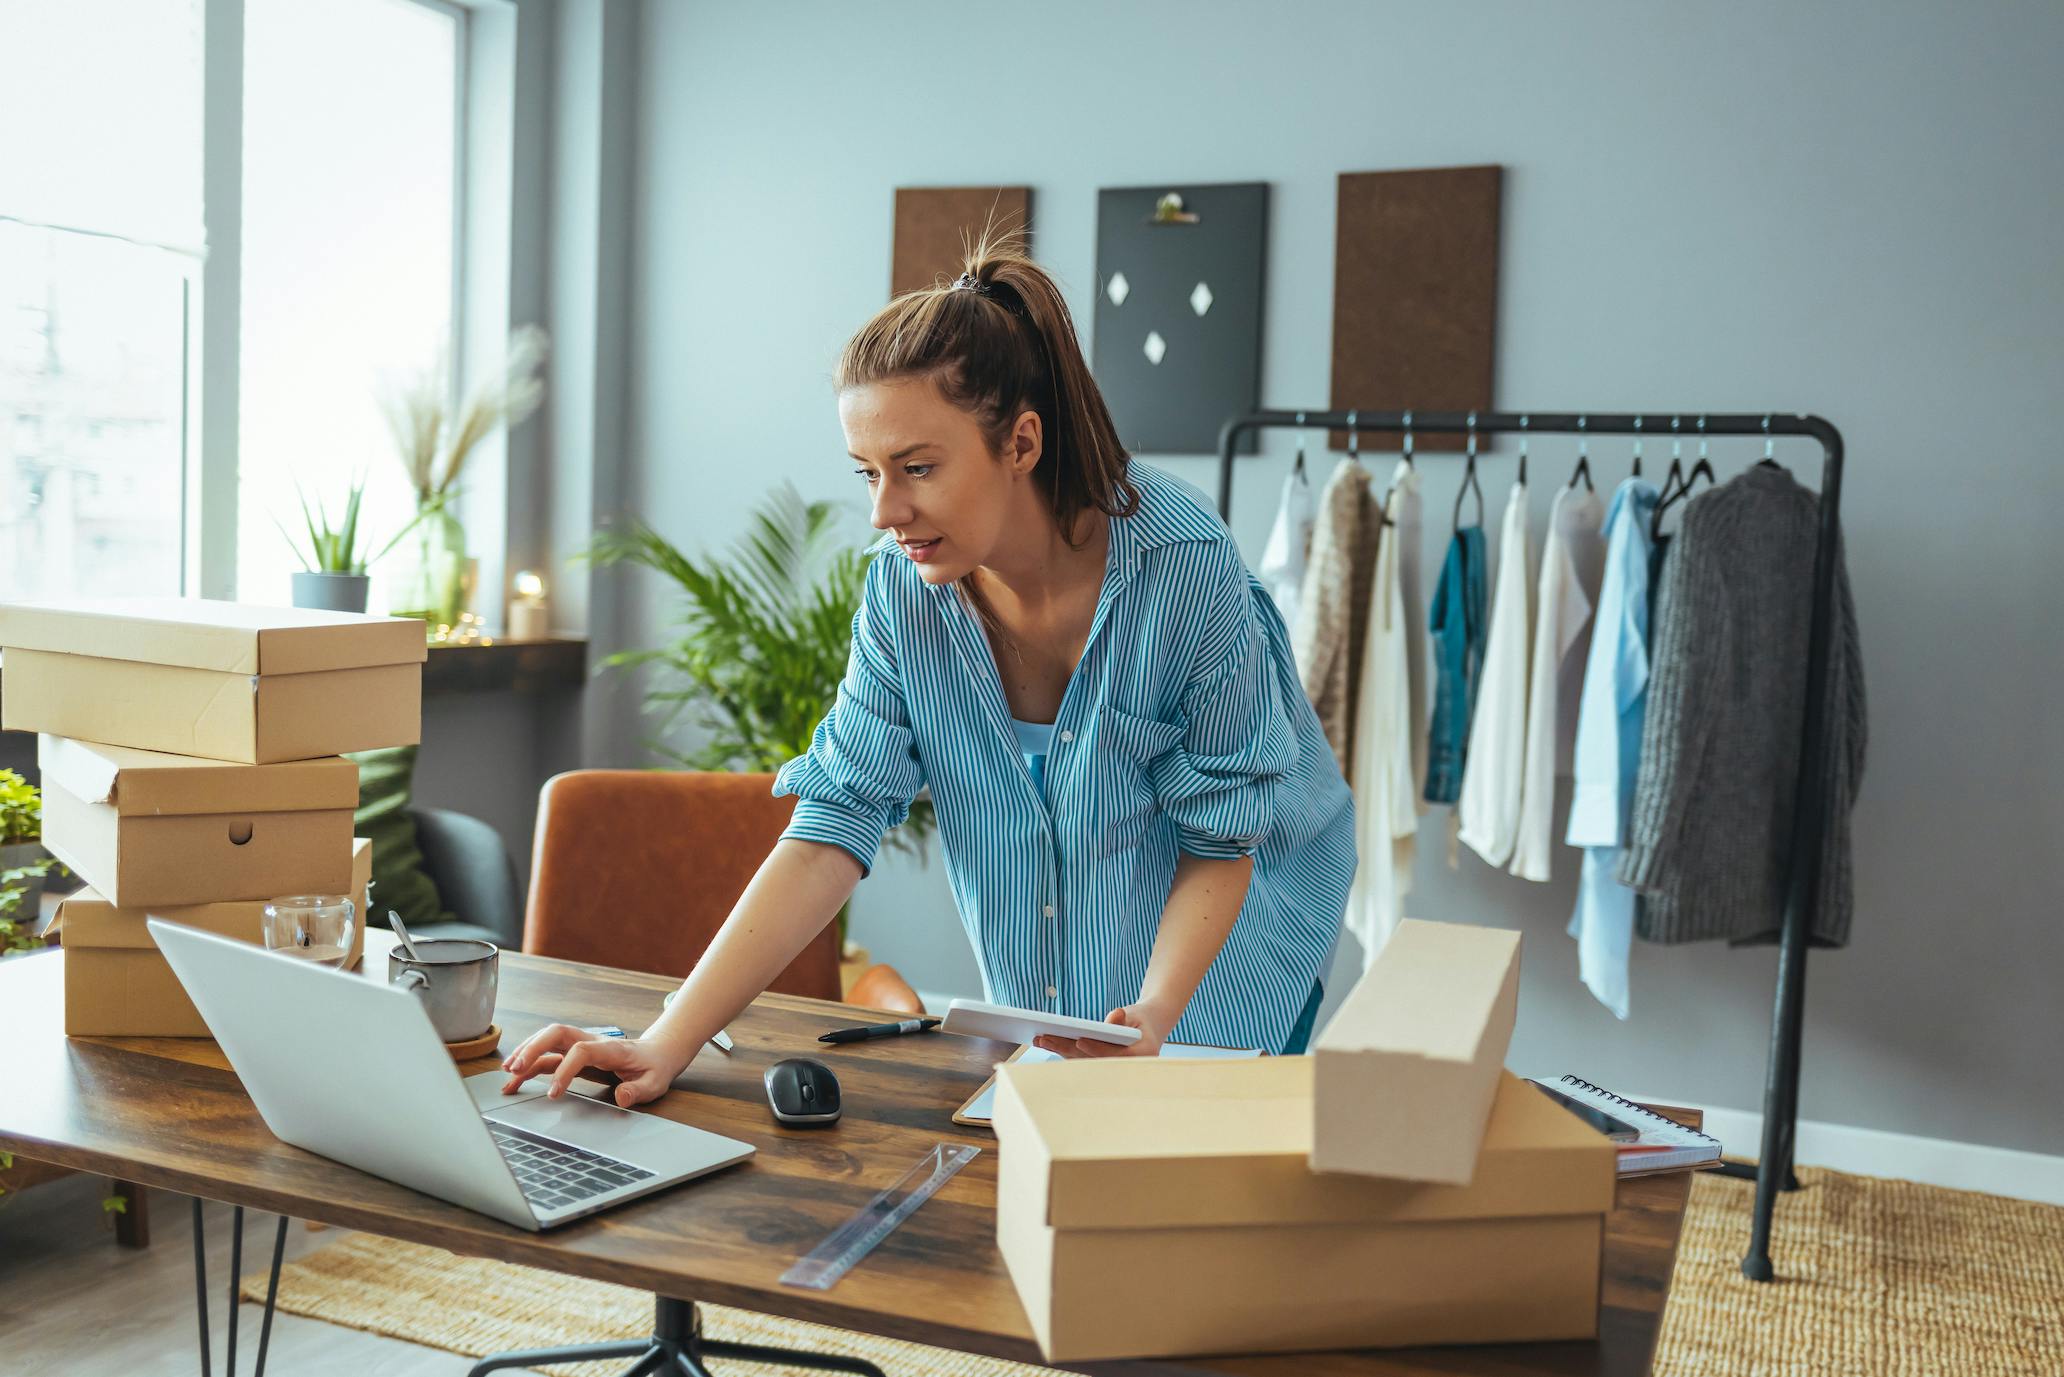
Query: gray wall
[[1853, 209]]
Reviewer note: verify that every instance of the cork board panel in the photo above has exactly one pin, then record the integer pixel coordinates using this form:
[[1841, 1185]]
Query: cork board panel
[[935, 224], [1415, 295]]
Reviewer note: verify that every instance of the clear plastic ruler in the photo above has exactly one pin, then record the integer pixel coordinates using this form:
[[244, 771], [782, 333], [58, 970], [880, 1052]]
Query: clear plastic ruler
[[821, 1267]]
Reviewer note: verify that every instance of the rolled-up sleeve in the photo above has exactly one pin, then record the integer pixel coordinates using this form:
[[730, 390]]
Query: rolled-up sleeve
[[1218, 782], [862, 769]]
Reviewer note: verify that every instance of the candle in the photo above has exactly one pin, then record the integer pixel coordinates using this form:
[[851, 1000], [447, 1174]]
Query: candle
[[530, 616]]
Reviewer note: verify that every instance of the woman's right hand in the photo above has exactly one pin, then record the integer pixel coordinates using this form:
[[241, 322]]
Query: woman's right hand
[[643, 1071]]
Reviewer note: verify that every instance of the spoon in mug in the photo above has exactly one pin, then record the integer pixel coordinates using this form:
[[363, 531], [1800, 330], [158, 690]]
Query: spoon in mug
[[401, 933]]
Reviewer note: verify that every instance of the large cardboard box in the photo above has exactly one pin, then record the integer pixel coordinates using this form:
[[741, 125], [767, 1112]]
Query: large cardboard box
[[227, 681], [118, 985], [143, 827], [1408, 1067], [1150, 1208]]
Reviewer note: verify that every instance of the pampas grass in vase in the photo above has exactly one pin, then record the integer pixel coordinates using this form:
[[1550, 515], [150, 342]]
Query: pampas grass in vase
[[436, 583]]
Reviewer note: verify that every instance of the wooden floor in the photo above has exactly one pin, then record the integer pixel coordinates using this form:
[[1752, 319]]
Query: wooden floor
[[72, 1303]]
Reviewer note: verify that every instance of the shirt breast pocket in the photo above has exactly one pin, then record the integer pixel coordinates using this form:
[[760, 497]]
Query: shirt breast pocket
[[1126, 749]]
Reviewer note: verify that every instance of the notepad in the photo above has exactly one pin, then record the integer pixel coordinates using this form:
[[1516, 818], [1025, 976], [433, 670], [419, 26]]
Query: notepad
[[1664, 1145], [977, 1112]]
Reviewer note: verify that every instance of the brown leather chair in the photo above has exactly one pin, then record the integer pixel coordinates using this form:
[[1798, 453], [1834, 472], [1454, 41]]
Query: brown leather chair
[[639, 868]]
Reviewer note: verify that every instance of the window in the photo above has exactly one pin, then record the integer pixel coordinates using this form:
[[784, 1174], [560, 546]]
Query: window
[[349, 213], [100, 244]]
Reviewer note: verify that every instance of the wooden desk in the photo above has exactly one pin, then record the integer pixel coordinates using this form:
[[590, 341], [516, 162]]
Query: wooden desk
[[169, 1112]]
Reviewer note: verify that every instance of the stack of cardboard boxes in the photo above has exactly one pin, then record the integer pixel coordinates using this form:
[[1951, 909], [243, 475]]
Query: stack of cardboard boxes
[[190, 753], [1397, 1186]]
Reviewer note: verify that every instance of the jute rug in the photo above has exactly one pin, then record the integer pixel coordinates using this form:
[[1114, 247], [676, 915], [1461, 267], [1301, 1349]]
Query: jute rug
[[1879, 1279]]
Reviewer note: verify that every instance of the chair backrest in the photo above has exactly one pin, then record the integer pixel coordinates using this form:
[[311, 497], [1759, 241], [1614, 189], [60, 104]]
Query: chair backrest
[[639, 868]]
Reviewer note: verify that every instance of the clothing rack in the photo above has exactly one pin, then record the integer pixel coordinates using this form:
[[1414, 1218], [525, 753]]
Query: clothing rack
[[1773, 1171]]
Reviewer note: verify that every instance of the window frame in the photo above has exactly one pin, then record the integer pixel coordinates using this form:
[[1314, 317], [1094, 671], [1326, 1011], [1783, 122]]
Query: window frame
[[213, 398]]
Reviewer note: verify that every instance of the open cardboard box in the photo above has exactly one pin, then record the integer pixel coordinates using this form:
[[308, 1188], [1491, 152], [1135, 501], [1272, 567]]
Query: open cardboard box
[[117, 984], [1151, 1208], [146, 828], [222, 680]]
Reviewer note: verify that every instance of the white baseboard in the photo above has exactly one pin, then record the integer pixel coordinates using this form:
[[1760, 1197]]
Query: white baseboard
[[1901, 1156]]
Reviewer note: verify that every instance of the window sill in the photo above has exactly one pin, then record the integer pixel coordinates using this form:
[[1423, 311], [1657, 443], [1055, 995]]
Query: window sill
[[556, 665]]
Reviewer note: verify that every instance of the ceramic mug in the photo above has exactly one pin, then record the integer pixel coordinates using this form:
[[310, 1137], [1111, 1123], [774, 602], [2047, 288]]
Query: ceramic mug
[[456, 978]]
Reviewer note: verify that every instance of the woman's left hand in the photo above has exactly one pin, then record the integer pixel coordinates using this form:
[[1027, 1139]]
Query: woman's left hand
[[1153, 1032]]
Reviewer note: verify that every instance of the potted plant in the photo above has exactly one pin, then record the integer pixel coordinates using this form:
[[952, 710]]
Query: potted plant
[[762, 644], [333, 573], [23, 862], [433, 579]]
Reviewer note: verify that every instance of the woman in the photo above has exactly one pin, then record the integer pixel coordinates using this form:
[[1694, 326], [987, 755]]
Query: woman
[[1069, 651]]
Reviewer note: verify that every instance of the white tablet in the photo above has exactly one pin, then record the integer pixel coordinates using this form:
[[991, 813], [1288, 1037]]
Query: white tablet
[[975, 1019]]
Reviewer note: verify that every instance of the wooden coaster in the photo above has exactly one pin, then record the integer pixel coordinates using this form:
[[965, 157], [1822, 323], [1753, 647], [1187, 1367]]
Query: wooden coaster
[[476, 1047]]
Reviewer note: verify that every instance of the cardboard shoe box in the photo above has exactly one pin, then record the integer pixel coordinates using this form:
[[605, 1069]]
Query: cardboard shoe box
[[222, 680], [142, 827], [1409, 1065], [117, 984], [1150, 1208]]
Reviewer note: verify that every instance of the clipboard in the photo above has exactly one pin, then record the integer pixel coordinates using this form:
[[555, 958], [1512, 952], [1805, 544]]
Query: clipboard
[[971, 1115]]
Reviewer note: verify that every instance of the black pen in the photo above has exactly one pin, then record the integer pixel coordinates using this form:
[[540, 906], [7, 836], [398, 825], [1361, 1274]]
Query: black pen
[[881, 1030]]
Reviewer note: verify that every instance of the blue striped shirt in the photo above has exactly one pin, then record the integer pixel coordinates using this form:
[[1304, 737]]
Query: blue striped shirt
[[1183, 729]]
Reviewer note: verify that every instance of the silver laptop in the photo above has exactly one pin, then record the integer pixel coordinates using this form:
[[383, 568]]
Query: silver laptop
[[350, 1068]]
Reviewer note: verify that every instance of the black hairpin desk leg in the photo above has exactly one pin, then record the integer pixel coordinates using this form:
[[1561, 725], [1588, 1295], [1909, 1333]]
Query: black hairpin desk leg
[[236, 1267]]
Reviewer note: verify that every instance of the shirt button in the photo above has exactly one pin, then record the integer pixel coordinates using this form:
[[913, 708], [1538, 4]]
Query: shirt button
[[1052, 992], [1049, 910], [1067, 736]]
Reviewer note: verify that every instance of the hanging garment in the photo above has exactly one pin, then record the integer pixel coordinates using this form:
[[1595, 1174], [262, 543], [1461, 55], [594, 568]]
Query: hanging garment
[[1385, 786], [1608, 746], [1328, 639], [1289, 546], [1489, 808], [1710, 839], [1572, 561], [1404, 526], [1456, 622]]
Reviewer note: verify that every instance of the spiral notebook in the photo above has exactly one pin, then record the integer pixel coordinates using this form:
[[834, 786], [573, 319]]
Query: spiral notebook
[[1662, 1145]]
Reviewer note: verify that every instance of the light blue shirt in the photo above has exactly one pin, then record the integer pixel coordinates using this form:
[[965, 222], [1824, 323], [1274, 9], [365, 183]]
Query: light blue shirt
[[1183, 729], [1610, 711]]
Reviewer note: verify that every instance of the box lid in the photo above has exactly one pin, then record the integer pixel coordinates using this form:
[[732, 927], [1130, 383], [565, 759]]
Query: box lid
[[86, 919], [202, 633], [1433, 992], [1137, 1142], [151, 783]]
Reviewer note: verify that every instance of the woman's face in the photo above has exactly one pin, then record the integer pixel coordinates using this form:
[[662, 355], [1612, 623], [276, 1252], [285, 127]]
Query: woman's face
[[934, 482]]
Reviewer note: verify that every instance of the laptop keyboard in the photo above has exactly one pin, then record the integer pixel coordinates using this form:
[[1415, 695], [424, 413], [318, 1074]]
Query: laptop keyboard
[[554, 1175]]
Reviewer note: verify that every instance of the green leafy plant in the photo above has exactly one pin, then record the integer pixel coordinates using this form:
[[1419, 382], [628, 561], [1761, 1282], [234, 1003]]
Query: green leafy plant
[[763, 639], [21, 809], [15, 926], [338, 549]]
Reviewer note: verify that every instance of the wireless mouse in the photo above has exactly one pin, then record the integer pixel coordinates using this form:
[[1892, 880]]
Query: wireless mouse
[[803, 1093]]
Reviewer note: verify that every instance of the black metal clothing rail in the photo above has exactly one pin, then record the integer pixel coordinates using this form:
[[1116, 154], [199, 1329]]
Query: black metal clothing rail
[[1809, 821]]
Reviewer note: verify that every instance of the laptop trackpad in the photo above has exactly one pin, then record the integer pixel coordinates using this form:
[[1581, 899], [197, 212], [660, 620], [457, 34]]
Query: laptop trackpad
[[643, 1140]]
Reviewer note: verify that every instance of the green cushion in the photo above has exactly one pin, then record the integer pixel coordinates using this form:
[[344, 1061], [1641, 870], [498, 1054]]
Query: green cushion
[[385, 779]]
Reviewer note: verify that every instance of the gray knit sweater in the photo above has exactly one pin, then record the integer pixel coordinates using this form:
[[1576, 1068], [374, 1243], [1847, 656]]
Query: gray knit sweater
[[1711, 832]]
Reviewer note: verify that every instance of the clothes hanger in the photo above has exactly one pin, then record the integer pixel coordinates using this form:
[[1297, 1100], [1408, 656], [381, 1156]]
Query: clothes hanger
[[1637, 446], [1671, 496], [1583, 469], [1297, 465], [1524, 422], [1354, 437], [1676, 473], [1408, 443], [1469, 481], [1769, 458]]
